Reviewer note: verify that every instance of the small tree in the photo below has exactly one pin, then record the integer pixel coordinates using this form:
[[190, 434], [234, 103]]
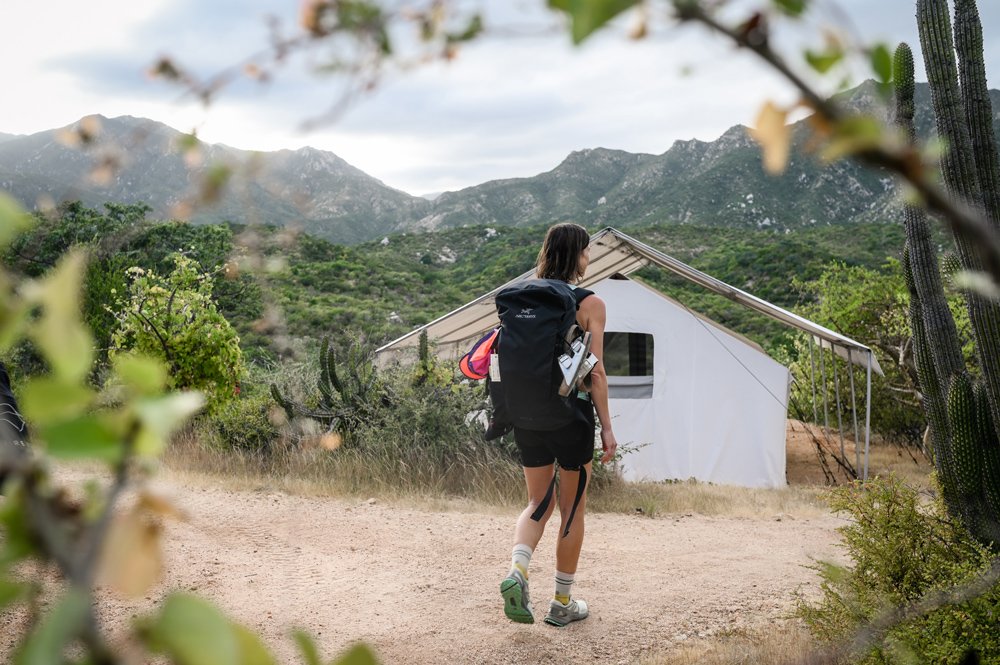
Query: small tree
[[175, 319], [873, 306]]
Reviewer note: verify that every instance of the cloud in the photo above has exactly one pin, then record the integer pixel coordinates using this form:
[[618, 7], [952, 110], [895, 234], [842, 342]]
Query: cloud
[[514, 103]]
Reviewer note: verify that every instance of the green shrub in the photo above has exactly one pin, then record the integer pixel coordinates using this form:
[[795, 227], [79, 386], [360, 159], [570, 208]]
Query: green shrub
[[246, 423], [430, 442], [432, 418], [901, 548], [175, 319]]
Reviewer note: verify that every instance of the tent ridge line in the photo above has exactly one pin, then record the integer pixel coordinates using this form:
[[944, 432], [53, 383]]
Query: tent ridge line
[[738, 295]]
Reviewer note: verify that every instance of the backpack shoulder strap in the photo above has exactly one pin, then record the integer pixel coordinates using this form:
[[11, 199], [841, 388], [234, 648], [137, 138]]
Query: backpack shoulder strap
[[581, 293]]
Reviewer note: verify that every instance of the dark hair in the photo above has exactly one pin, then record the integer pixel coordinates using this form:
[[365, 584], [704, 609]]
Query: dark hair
[[559, 257]]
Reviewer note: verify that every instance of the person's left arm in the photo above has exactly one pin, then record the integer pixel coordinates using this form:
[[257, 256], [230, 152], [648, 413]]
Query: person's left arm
[[592, 316]]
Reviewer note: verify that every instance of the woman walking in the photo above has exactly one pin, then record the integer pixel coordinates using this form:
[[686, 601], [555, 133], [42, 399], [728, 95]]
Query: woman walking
[[564, 256]]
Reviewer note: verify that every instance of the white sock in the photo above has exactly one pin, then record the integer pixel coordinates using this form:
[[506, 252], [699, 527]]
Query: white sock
[[520, 558], [564, 582]]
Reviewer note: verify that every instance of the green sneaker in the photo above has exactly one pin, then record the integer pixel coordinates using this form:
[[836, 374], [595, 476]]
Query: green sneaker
[[560, 615], [516, 602]]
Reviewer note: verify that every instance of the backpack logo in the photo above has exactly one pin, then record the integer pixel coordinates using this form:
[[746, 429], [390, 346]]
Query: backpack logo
[[526, 313]]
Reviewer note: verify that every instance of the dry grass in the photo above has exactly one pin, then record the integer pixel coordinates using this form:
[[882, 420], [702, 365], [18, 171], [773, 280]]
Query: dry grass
[[705, 499], [912, 467], [483, 476], [484, 480], [811, 458], [776, 644]]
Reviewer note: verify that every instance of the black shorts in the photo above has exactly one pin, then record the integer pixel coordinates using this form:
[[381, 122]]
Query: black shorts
[[571, 445]]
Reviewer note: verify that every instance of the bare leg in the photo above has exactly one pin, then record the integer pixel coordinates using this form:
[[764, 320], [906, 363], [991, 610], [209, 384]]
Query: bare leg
[[528, 531], [568, 548]]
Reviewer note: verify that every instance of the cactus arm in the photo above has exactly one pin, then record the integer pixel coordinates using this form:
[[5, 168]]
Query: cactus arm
[[330, 367], [326, 394], [284, 403], [938, 321], [965, 457], [933, 395], [971, 433], [990, 446], [978, 107], [936, 347], [934, 26]]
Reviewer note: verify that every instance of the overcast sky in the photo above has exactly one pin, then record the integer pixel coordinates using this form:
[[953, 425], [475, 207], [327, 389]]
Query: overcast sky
[[512, 104]]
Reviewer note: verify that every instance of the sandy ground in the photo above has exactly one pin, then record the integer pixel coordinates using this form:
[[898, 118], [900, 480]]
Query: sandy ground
[[422, 587]]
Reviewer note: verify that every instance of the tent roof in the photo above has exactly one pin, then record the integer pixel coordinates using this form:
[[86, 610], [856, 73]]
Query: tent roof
[[698, 315], [612, 251]]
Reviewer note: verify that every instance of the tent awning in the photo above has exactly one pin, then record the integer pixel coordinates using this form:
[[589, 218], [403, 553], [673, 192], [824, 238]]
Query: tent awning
[[612, 251]]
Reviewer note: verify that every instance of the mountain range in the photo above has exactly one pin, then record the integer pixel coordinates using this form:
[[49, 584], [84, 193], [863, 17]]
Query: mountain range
[[719, 182]]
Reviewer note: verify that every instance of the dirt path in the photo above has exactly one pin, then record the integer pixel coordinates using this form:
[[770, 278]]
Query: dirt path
[[421, 586]]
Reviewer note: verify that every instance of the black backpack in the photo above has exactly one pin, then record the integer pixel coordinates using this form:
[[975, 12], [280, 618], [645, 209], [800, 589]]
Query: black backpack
[[537, 320], [13, 429]]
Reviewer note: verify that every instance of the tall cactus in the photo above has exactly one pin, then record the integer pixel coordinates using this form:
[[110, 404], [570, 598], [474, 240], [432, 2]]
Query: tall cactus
[[961, 175], [345, 402], [964, 415]]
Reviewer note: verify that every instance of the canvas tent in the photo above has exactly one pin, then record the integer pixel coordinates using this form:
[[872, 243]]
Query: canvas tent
[[693, 399]]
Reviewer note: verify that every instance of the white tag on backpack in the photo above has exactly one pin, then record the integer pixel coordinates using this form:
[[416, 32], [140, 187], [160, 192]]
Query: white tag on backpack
[[494, 368]]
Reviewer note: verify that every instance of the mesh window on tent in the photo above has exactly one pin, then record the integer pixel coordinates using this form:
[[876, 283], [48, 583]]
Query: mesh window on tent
[[628, 362]]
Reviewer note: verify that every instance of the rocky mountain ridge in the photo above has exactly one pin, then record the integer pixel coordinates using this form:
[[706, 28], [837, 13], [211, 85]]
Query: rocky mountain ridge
[[718, 182]]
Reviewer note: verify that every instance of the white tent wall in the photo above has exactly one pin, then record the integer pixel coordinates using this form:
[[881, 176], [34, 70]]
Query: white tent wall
[[717, 409], [740, 401], [729, 430]]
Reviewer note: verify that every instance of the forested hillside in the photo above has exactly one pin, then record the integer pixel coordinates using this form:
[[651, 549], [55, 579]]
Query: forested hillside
[[283, 287]]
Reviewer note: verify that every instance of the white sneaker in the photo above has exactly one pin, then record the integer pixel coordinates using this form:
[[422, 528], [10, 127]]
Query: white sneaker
[[560, 615]]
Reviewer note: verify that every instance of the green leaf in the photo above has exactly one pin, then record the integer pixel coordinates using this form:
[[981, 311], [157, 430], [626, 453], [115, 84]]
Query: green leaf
[[586, 16], [359, 654], [60, 333], [18, 543], [48, 400], [882, 63], [307, 647], [191, 631], [14, 318], [187, 142], [13, 219], [825, 61], [142, 374], [64, 622], [472, 29], [11, 592], [88, 437], [162, 416], [253, 651], [851, 136], [791, 7]]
